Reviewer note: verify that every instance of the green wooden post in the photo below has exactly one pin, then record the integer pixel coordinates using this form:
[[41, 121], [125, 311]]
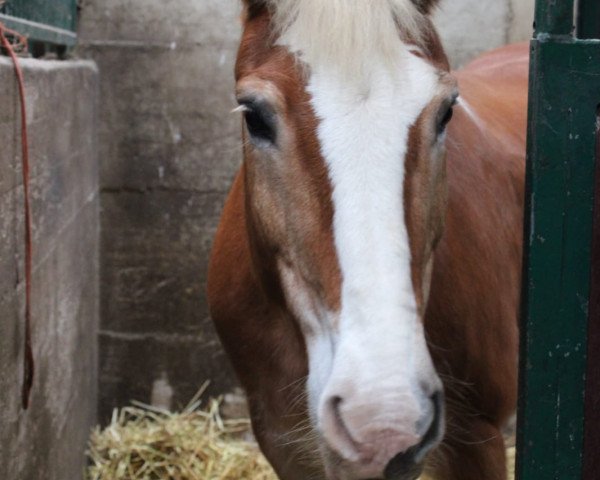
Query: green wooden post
[[564, 95], [53, 22]]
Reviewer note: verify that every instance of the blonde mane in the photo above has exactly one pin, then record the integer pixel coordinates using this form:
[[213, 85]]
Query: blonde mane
[[346, 33]]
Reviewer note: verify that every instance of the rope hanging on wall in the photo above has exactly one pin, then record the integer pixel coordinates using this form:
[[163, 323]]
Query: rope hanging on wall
[[18, 43]]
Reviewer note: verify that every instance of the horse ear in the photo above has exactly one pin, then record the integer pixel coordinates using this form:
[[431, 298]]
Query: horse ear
[[426, 6]]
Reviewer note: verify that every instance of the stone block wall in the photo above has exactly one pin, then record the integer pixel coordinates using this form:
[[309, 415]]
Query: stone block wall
[[47, 441], [168, 150]]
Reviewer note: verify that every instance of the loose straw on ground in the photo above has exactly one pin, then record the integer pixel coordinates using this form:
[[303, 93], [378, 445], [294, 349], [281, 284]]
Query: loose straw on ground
[[145, 443]]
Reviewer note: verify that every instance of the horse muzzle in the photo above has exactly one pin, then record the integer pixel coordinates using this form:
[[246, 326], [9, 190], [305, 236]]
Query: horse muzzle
[[406, 465]]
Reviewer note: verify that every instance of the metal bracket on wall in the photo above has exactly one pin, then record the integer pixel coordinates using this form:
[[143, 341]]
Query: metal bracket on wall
[[47, 25], [39, 31]]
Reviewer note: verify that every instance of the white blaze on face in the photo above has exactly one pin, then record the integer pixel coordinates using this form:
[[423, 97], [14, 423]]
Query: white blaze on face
[[371, 378], [364, 131]]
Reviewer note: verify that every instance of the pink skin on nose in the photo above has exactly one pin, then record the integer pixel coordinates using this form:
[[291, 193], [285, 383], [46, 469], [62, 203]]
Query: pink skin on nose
[[369, 435]]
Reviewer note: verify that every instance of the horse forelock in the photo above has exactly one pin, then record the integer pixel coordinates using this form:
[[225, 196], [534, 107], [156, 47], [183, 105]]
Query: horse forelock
[[346, 35]]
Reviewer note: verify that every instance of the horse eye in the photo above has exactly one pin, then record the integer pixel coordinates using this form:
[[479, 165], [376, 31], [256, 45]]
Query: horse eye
[[260, 121], [445, 119]]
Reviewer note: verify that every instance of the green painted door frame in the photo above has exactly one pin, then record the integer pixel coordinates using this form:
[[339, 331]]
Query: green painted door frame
[[561, 158], [51, 22]]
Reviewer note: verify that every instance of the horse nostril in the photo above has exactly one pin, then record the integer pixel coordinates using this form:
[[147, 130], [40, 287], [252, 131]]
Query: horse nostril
[[408, 464], [436, 429], [336, 431]]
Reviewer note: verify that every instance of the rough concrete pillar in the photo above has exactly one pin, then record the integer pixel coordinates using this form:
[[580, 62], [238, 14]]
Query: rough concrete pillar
[[47, 441]]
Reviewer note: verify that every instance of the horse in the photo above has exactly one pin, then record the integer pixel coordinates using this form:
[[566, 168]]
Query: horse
[[365, 274]]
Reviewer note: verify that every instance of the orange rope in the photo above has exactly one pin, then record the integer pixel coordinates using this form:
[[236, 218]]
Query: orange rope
[[20, 43]]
